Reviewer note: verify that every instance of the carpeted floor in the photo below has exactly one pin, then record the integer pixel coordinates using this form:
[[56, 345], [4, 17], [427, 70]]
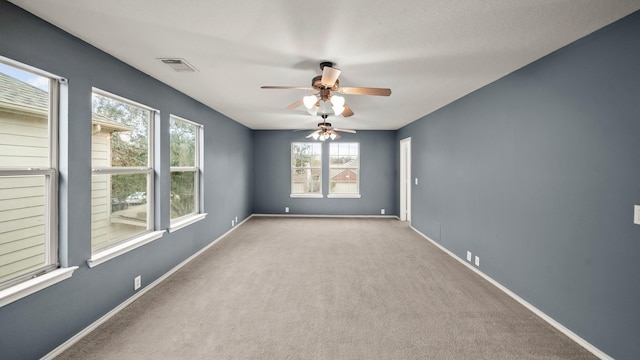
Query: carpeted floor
[[325, 288]]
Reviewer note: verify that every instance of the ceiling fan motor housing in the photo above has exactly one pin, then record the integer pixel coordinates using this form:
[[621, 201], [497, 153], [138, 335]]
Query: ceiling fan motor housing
[[325, 63]]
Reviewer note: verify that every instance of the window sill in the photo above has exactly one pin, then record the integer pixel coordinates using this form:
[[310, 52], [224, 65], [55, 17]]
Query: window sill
[[344, 196], [311, 196], [36, 284], [188, 220], [108, 254]]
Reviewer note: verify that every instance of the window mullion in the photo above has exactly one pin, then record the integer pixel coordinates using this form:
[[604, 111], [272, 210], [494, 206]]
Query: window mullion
[[183, 168], [122, 170], [27, 172]]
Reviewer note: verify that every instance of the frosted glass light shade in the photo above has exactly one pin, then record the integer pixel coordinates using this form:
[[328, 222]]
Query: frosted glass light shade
[[337, 104], [309, 101]]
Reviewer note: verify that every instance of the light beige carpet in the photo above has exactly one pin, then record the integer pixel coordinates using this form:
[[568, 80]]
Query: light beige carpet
[[325, 288]]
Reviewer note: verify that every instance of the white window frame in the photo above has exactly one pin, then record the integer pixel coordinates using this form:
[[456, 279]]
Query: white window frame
[[150, 234], [305, 195], [198, 214], [50, 273], [345, 195]]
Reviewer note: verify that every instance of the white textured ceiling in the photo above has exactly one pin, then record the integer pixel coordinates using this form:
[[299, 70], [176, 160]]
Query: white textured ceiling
[[429, 52]]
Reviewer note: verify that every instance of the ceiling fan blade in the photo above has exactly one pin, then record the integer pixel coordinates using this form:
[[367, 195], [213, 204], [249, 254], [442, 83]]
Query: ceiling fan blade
[[329, 76], [347, 111], [345, 130], [295, 104], [287, 87], [364, 91]]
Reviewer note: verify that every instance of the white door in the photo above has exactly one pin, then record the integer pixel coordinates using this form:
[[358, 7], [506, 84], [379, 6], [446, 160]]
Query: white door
[[405, 179]]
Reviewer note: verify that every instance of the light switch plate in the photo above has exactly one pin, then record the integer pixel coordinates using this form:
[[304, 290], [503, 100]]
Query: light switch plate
[[636, 214], [469, 256], [416, 181], [477, 261]]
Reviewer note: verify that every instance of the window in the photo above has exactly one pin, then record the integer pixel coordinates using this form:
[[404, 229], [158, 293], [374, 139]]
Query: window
[[344, 169], [29, 101], [185, 169], [122, 171], [306, 169]]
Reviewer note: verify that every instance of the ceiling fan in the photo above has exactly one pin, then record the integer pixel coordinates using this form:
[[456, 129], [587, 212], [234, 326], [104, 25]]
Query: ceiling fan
[[325, 84], [325, 131]]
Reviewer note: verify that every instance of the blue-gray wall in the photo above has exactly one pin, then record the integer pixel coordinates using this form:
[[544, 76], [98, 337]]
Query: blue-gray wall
[[272, 171], [537, 174], [33, 326]]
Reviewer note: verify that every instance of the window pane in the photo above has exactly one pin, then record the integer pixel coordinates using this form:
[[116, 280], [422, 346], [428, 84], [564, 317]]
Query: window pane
[[306, 155], [24, 118], [183, 200], [344, 163], [118, 208], [306, 181], [23, 222], [344, 155], [306, 168], [344, 181], [183, 143], [120, 133]]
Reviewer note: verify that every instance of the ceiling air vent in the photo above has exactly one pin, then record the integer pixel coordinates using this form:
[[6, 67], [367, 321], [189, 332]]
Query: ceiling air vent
[[179, 65]]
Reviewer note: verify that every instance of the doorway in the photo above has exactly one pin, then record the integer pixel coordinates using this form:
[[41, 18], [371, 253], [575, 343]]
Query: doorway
[[405, 179]]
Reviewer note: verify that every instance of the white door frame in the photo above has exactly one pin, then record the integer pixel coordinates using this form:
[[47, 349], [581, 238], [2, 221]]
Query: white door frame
[[405, 179]]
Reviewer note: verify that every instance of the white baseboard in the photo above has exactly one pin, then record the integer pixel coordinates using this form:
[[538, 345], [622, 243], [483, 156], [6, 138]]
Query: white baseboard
[[67, 344], [573, 336], [329, 216]]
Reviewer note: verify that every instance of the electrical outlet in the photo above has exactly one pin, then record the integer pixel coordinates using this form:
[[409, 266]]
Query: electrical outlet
[[137, 282], [381, 211], [636, 214], [469, 256], [416, 181], [232, 223], [286, 209], [477, 261], [236, 219]]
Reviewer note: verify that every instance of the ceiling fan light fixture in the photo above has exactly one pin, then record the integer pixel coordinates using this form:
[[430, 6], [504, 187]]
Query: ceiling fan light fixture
[[315, 136], [310, 101], [313, 111], [337, 100], [332, 136], [337, 104], [329, 76]]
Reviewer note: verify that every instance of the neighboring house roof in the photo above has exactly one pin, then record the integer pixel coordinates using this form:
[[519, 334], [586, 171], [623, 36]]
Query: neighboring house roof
[[18, 95], [106, 124], [346, 175]]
